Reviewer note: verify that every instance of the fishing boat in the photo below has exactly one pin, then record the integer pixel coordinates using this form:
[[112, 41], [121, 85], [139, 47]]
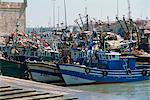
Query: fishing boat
[[45, 70], [90, 65], [12, 68], [110, 67]]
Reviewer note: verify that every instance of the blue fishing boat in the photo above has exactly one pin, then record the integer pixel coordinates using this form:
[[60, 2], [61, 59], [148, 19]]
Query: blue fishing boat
[[91, 65], [110, 67]]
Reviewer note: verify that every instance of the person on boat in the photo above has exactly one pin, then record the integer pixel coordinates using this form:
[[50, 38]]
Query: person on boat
[[75, 57], [68, 60]]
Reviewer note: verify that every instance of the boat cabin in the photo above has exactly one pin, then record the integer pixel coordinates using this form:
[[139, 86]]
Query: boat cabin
[[114, 61], [109, 56], [78, 55]]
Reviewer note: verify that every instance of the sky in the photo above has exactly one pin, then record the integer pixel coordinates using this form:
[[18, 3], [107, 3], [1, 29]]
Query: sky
[[40, 12]]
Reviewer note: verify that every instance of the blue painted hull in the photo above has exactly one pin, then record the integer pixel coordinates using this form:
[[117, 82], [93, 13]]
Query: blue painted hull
[[78, 75]]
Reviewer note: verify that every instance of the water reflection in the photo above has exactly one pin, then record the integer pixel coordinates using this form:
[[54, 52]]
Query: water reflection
[[131, 91]]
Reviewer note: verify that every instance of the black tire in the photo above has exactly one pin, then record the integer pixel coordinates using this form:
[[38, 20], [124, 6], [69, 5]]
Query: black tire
[[28, 75], [144, 72], [87, 70], [129, 71], [105, 73]]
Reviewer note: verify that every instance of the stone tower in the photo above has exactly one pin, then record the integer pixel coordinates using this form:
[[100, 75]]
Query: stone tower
[[9, 13]]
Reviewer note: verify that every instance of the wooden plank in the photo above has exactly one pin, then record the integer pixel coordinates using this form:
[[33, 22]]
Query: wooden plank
[[30, 94], [71, 99], [8, 89], [33, 97], [43, 97], [4, 87], [16, 92]]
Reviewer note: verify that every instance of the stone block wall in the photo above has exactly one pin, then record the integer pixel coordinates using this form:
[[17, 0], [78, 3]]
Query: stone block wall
[[9, 12]]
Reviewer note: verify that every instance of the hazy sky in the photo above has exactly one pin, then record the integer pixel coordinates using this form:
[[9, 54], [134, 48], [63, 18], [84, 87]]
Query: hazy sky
[[40, 12]]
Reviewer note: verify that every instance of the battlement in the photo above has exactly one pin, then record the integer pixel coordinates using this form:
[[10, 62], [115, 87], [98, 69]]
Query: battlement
[[10, 5]]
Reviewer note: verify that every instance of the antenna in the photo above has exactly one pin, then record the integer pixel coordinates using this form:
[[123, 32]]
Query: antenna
[[129, 9], [108, 20], [85, 7]]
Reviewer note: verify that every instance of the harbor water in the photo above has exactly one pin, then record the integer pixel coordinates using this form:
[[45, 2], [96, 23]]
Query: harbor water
[[129, 91]]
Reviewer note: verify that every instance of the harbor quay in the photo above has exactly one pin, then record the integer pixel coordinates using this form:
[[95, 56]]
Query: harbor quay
[[64, 93]]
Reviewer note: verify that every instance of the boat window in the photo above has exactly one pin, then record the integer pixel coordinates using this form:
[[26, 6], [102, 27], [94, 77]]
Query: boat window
[[103, 56], [113, 56], [45, 53], [99, 56], [80, 55], [51, 54], [75, 53], [36, 54], [106, 56], [26, 53], [42, 53], [32, 54], [109, 56]]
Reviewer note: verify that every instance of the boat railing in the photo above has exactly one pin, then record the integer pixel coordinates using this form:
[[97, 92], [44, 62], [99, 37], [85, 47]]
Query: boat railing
[[60, 59], [125, 64], [126, 67]]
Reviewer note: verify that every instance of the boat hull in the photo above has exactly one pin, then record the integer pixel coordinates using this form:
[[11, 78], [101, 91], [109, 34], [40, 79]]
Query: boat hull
[[73, 75], [13, 68], [42, 72], [143, 59]]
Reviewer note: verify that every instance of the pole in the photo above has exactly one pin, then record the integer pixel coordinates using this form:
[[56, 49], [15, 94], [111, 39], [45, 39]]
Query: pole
[[65, 13], [58, 15], [129, 9], [87, 22], [81, 19], [85, 7], [117, 8], [54, 13]]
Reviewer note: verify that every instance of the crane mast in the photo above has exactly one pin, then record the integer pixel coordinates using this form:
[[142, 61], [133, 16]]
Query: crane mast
[[129, 9]]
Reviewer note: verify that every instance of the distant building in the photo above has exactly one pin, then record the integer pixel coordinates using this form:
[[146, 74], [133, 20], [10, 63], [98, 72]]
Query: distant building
[[9, 13]]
